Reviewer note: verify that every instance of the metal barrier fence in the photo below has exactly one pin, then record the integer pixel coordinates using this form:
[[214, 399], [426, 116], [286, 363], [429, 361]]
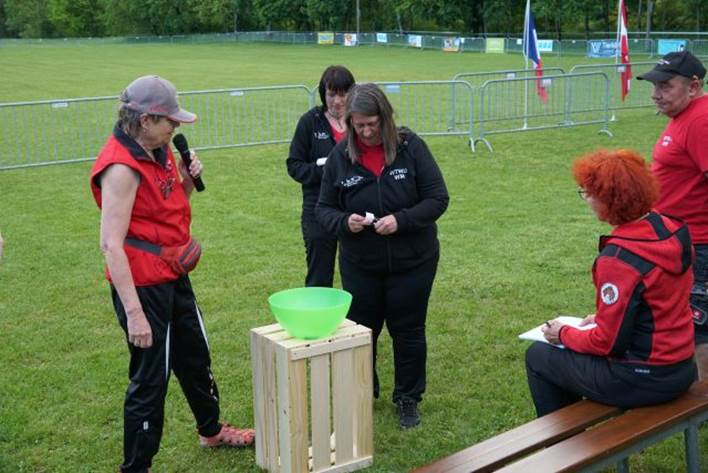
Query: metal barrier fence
[[512, 105], [640, 91], [565, 47], [60, 131], [477, 79], [71, 130], [429, 107]]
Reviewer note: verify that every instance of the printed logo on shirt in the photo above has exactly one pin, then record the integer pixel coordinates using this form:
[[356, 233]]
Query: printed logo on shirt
[[609, 293], [666, 141], [321, 135], [351, 181], [398, 173]]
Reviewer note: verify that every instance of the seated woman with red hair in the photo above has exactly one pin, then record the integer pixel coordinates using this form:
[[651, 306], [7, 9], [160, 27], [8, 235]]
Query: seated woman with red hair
[[641, 350]]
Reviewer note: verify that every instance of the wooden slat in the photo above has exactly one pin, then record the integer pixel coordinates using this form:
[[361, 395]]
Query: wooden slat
[[258, 399], [299, 417], [320, 394], [271, 404], [363, 402], [615, 435], [508, 446], [343, 399]]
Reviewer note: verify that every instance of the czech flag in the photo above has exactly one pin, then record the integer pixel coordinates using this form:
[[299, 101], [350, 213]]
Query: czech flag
[[530, 45]]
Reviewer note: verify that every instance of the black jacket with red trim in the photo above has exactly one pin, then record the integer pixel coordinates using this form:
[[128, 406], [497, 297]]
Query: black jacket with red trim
[[643, 282]]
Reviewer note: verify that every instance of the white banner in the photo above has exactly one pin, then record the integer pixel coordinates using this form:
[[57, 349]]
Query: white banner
[[350, 39], [415, 40], [382, 37]]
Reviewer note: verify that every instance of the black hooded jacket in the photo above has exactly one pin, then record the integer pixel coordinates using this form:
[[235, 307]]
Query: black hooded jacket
[[411, 188], [312, 140]]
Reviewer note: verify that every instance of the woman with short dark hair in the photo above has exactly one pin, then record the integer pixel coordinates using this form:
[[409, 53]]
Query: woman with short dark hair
[[641, 350], [317, 132], [382, 193]]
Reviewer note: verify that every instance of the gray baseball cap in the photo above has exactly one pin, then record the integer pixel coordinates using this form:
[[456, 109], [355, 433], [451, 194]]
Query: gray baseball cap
[[156, 96]]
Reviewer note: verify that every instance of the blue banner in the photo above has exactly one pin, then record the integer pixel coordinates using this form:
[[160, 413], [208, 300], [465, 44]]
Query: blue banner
[[602, 48], [667, 46]]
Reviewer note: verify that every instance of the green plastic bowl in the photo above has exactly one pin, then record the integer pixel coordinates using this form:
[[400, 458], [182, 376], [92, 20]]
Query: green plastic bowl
[[310, 312]]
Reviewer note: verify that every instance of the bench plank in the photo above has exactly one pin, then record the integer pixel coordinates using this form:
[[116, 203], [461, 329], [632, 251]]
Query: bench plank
[[508, 446], [615, 435]]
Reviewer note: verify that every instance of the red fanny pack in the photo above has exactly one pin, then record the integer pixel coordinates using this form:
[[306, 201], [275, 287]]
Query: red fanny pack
[[182, 259]]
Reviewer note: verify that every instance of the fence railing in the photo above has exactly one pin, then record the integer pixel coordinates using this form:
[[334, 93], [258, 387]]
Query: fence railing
[[431, 107], [640, 91], [71, 130], [512, 105]]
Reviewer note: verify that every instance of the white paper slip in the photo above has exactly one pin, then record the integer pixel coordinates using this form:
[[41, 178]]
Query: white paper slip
[[536, 334]]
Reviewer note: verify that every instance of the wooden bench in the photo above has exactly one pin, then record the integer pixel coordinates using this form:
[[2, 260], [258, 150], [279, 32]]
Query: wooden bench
[[585, 436]]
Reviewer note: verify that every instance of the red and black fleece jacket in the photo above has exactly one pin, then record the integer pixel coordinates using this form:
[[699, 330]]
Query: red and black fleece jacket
[[643, 282]]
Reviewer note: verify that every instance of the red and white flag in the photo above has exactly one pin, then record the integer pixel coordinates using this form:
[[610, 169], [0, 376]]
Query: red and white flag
[[623, 48]]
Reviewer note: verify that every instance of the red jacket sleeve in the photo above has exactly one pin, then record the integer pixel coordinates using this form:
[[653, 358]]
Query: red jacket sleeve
[[618, 290]]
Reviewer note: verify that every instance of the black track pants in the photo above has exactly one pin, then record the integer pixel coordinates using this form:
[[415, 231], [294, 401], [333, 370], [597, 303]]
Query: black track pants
[[179, 344], [401, 301], [559, 377], [320, 251]]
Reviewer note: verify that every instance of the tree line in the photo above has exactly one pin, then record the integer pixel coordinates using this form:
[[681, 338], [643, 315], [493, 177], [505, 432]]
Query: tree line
[[554, 18]]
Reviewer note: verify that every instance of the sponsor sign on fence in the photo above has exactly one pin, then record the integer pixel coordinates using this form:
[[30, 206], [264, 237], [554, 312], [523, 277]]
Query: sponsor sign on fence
[[667, 46], [325, 37], [415, 40], [602, 48], [495, 45], [451, 45]]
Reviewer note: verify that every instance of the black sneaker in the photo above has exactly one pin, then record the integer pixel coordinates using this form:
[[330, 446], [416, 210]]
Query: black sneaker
[[408, 414]]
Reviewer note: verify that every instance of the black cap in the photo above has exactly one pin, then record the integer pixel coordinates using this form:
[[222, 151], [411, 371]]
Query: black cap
[[681, 63]]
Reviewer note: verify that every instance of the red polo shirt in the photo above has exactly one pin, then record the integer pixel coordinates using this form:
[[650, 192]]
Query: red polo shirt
[[680, 159], [161, 213]]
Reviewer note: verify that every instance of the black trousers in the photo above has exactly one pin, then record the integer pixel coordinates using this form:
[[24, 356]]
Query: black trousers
[[401, 301], [699, 293], [320, 251], [559, 377], [179, 344]]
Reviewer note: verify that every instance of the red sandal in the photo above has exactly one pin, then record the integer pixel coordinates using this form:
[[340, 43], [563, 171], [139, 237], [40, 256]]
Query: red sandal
[[229, 436]]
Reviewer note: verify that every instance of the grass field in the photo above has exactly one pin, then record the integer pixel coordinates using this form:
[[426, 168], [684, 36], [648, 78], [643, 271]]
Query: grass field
[[517, 246]]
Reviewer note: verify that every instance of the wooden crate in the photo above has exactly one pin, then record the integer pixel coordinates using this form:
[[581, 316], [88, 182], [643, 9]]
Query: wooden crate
[[340, 395]]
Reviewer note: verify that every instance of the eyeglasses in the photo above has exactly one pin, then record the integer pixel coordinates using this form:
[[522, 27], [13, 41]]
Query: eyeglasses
[[583, 193]]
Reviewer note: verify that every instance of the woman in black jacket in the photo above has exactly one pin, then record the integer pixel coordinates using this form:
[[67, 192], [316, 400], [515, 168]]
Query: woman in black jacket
[[381, 194], [318, 130]]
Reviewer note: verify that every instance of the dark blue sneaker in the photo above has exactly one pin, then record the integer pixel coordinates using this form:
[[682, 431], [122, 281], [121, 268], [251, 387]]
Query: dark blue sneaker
[[408, 414]]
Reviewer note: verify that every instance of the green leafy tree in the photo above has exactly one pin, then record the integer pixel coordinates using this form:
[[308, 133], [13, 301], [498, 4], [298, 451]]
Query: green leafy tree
[[75, 18], [27, 18]]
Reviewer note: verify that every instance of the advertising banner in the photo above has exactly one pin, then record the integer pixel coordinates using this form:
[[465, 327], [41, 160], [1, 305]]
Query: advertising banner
[[350, 39], [494, 45], [545, 45], [382, 37], [415, 41], [451, 45], [667, 46], [602, 48], [325, 37]]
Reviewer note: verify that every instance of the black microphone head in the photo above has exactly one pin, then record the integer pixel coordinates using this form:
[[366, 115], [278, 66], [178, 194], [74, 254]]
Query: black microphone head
[[180, 143]]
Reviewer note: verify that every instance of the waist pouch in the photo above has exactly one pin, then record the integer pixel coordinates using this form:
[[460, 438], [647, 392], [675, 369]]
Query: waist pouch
[[182, 259]]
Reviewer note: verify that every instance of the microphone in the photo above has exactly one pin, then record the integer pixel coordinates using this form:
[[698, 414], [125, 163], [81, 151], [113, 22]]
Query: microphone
[[180, 143]]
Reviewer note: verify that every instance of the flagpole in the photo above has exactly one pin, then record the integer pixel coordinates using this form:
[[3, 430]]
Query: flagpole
[[525, 47], [619, 29]]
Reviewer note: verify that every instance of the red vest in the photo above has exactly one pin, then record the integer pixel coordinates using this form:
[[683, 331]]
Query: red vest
[[161, 213]]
